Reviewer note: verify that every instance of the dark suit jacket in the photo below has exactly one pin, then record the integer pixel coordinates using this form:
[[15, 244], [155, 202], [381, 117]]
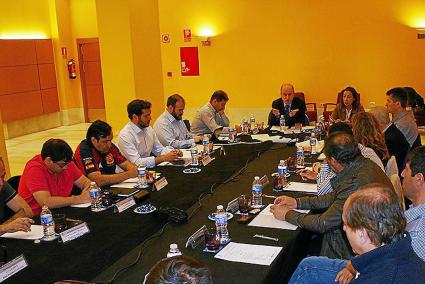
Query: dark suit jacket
[[397, 145], [299, 117]]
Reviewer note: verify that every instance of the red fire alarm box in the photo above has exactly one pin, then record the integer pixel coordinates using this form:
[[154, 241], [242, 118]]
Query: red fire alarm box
[[189, 61]]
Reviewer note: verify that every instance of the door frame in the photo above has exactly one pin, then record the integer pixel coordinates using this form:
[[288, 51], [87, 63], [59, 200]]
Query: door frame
[[80, 42]]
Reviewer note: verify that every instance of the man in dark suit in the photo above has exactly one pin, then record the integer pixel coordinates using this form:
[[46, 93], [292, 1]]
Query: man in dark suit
[[396, 142], [291, 107]]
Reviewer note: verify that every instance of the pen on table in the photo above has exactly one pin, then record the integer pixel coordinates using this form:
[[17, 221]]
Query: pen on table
[[266, 238], [269, 196]]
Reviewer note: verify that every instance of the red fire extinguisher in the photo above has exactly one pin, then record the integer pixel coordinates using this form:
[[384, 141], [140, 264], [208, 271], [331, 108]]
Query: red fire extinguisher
[[71, 69]]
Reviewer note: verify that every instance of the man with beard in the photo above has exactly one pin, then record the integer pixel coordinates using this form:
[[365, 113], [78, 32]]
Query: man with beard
[[169, 127], [97, 157], [137, 140]]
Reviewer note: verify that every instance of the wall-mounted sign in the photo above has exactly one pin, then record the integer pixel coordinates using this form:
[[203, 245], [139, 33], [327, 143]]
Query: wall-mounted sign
[[187, 35], [165, 38], [189, 61]]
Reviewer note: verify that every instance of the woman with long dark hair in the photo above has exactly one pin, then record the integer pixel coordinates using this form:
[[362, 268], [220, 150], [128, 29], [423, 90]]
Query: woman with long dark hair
[[349, 106]]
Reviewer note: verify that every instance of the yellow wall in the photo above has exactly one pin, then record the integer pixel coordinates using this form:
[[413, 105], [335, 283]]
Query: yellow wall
[[83, 18], [319, 46], [117, 59]]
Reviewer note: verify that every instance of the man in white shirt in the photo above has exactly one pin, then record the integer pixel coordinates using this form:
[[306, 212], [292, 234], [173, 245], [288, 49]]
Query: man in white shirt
[[210, 119], [169, 127], [137, 140]]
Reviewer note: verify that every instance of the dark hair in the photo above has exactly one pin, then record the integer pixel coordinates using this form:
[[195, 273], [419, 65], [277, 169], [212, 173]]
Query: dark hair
[[399, 95], [416, 160], [172, 100], [377, 209], [57, 150], [179, 269], [340, 127], [137, 106], [366, 131], [98, 129], [355, 94], [413, 98], [342, 147], [219, 96]]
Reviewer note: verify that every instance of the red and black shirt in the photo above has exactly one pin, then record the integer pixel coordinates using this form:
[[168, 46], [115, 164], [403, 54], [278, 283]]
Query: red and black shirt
[[89, 160]]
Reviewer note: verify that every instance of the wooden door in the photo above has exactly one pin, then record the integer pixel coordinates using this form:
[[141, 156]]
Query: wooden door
[[91, 79]]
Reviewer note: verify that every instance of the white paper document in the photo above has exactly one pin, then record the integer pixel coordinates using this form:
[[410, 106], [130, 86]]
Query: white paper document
[[125, 185], [82, 205], [261, 137], [267, 220], [246, 253], [302, 187], [135, 179], [35, 234]]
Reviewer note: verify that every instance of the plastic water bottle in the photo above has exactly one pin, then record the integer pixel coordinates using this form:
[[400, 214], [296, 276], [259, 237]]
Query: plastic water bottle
[[206, 144], [244, 126], [282, 122], [142, 177], [232, 134], [300, 157], [95, 197], [313, 143], [281, 178], [221, 225], [47, 223], [174, 251], [194, 154], [257, 192], [252, 125]]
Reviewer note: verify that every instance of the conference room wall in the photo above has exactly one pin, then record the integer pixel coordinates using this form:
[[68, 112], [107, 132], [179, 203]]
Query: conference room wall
[[319, 46]]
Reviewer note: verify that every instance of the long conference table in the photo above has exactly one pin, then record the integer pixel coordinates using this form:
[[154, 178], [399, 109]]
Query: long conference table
[[117, 240]]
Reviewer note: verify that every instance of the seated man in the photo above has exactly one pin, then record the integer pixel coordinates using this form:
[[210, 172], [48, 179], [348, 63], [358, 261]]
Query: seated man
[[169, 127], [137, 140], [291, 107], [352, 171], [325, 173], [210, 119], [98, 158], [396, 142], [396, 105], [179, 269], [10, 198], [374, 224], [48, 178]]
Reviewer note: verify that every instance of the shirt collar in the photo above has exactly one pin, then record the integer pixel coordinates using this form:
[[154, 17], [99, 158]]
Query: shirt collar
[[415, 212], [400, 115], [388, 126], [135, 128], [210, 106], [169, 116]]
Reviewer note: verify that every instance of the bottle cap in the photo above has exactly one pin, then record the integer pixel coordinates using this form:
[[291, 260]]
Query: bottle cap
[[173, 246], [257, 178], [219, 207], [92, 183]]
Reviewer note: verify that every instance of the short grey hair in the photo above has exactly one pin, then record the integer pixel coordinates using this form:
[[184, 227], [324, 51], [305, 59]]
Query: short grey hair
[[381, 115]]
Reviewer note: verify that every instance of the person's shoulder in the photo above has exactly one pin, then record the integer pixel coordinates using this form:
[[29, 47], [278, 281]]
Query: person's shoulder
[[35, 162], [83, 148]]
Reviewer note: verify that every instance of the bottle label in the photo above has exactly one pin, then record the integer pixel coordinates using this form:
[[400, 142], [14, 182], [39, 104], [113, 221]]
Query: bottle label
[[300, 153], [220, 219], [141, 171], [194, 151], [94, 193], [313, 141], [205, 142], [46, 219], [281, 170], [257, 188]]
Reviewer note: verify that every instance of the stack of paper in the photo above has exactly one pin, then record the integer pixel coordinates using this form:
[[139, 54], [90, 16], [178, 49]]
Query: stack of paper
[[267, 220], [35, 234], [302, 187]]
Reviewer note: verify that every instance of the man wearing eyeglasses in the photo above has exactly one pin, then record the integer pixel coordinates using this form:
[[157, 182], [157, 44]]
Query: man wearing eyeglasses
[[9, 198], [49, 177]]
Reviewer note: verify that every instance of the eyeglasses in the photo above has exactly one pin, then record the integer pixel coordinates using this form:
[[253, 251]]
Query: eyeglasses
[[62, 164]]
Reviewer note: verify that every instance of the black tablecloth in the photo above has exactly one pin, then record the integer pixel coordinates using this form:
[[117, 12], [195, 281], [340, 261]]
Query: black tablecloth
[[294, 243], [113, 235]]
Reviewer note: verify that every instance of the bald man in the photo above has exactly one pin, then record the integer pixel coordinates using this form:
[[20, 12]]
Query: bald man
[[291, 107]]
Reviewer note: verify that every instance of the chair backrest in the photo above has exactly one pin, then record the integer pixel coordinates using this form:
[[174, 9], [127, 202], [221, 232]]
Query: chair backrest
[[395, 180], [299, 95], [391, 167], [187, 123], [14, 182]]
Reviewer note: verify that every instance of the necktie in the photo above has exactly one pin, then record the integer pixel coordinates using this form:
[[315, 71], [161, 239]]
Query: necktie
[[287, 109]]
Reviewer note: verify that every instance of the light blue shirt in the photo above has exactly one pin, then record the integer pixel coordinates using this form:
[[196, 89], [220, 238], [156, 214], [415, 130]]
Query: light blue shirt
[[172, 132], [137, 145], [207, 120], [415, 217]]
